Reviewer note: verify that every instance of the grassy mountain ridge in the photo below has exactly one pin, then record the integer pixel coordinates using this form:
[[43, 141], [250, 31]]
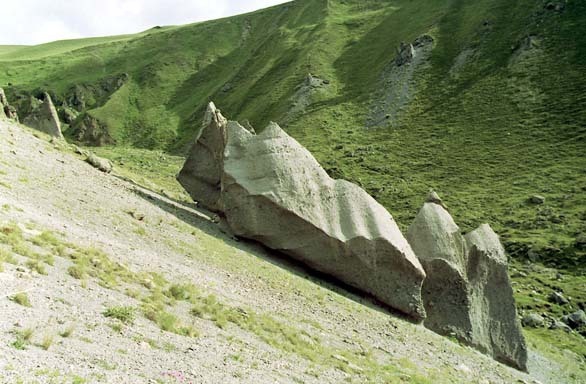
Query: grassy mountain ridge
[[495, 114]]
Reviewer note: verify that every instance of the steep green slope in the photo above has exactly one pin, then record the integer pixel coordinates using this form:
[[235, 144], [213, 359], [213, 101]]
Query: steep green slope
[[492, 115]]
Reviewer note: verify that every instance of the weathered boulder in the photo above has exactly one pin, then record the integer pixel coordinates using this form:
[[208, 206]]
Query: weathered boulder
[[560, 325], [437, 242], [100, 163], [202, 172], [537, 199], [494, 320], [275, 192], [467, 292], [557, 298], [272, 190], [533, 320], [576, 319], [44, 117]]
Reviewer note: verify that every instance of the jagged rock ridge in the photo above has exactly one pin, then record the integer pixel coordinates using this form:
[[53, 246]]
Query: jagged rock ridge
[[272, 190]]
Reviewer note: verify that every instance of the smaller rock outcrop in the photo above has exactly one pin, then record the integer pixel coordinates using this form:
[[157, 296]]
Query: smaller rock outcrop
[[467, 292], [44, 117]]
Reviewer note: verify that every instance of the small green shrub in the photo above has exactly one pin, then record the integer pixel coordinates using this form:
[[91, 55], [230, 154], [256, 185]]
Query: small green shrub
[[67, 331], [47, 342], [124, 314], [21, 298]]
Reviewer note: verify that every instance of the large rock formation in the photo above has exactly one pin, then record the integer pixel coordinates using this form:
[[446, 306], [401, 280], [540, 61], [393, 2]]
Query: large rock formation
[[44, 117], [467, 292], [272, 190]]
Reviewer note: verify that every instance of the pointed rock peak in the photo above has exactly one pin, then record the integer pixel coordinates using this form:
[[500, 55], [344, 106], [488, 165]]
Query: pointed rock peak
[[44, 117], [485, 240], [434, 198], [273, 130], [213, 115], [435, 235]]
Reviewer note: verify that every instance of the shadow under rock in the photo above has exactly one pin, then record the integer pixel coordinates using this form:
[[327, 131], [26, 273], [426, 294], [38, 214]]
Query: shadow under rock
[[203, 220]]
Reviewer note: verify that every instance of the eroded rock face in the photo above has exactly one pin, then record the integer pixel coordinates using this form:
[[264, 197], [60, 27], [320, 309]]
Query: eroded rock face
[[467, 292], [272, 190], [43, 117], [91, 131], [202, 172], [495, 324], [275, 192], [437, 242]]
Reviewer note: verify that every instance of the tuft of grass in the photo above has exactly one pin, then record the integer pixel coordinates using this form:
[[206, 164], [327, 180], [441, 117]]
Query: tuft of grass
[[169, 322], [77, 271], [46, 239], [23, 338], [36, 265], [47, 342], [6, 257], [182, 292], [22, 299], [27, 334], [67, 332], [125, 314]]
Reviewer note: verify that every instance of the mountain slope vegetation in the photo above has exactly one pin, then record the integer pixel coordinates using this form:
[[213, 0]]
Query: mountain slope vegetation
[[490, 111]]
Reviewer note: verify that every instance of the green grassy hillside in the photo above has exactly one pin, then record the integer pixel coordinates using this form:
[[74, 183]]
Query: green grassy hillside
[[493, 115]]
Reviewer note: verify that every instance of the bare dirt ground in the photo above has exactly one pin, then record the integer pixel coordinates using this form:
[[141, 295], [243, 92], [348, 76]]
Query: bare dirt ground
[[298, 328]]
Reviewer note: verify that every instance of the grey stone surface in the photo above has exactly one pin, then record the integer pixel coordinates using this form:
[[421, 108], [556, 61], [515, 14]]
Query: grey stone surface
[[537, 199], [560, 325], [201, 174], [275, 192], [467, 292], [495, 324], [575, 320], [437, 242], [100, 163], [44, 117], [272, 190], [557, 298], [533, 320]]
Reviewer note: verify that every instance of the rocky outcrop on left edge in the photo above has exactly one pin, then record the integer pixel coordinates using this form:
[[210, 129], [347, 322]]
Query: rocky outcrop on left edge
[[7, 110], [44, 117]]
